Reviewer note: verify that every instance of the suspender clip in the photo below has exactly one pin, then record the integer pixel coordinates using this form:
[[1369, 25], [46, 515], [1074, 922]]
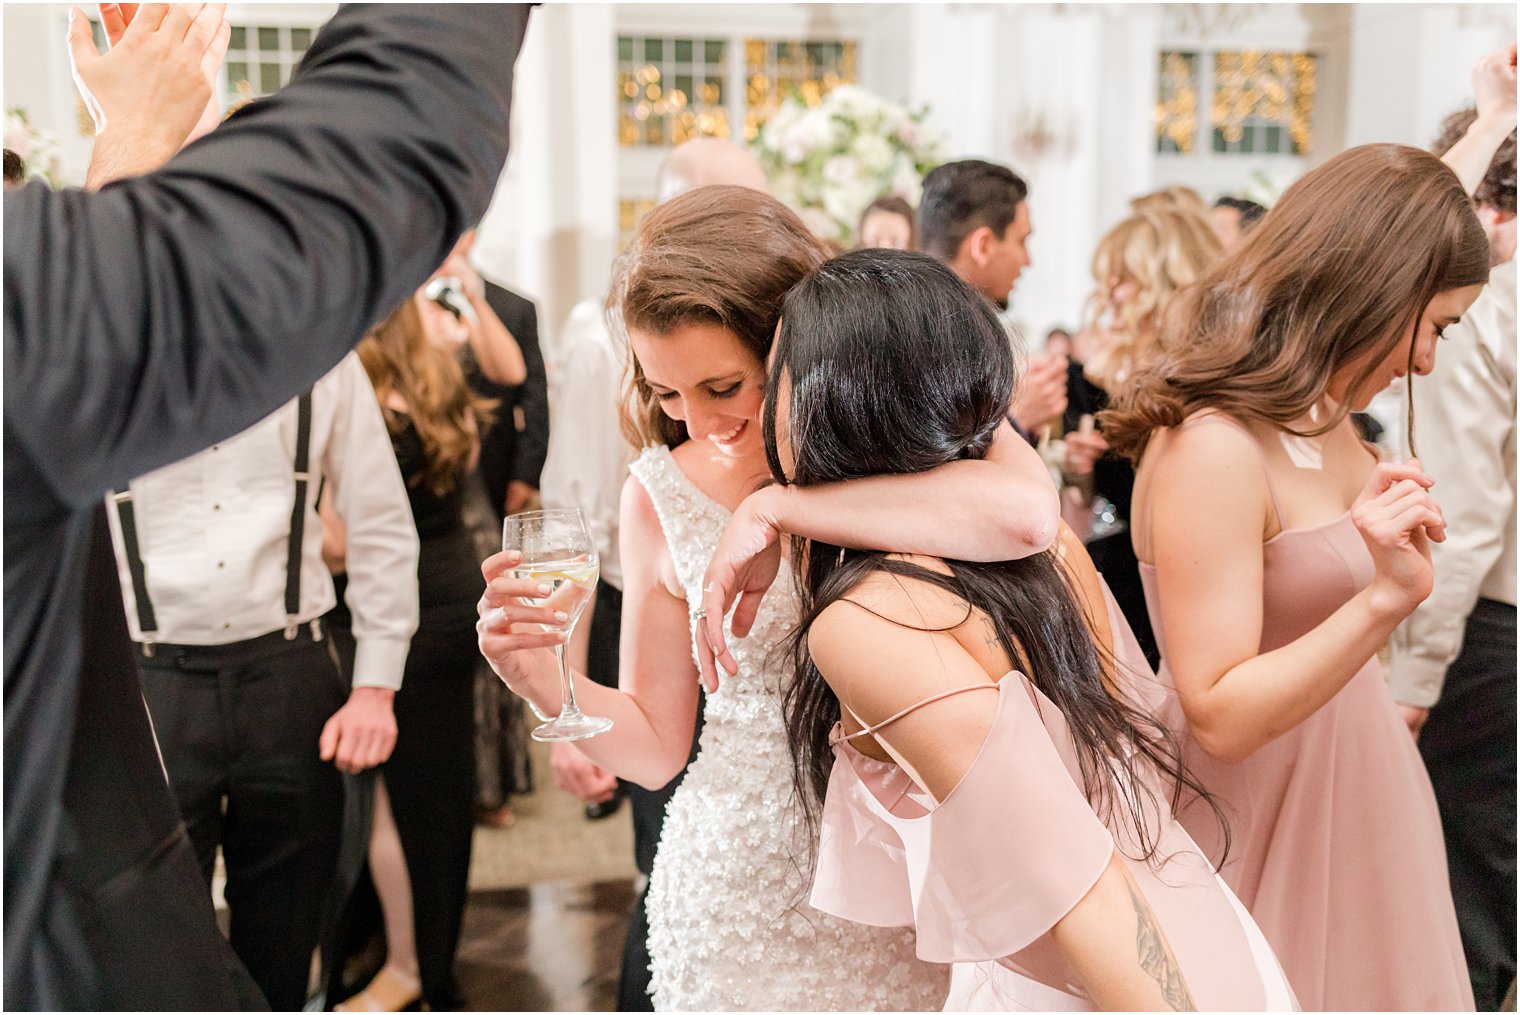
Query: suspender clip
[[147, 647], [316, 629], [291, 627]]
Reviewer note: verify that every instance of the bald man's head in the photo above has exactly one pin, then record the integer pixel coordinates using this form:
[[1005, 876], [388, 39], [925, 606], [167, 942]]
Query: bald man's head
[[707, 162]]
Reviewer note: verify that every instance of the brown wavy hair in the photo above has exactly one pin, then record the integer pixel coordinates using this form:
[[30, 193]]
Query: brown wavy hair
[[448, 416], [1343, 267], [716, 255]]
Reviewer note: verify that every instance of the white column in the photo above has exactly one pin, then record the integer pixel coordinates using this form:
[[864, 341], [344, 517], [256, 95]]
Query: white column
[[551, 231]]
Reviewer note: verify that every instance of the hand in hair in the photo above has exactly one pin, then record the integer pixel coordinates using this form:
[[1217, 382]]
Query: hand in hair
[[148, 92], [1398, 519]]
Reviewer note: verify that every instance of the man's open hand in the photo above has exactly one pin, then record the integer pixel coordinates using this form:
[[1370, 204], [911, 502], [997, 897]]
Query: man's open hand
[[151, 89]]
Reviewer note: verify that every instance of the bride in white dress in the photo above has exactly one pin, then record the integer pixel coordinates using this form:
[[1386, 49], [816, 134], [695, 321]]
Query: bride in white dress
[[699, 292]]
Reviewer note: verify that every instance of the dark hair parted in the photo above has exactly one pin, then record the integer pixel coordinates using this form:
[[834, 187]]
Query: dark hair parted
[[722, 256], [892, 204], [1338, 272], [1250, 211], [895, 365], [961, 197], [1498, 186], [15, 167]]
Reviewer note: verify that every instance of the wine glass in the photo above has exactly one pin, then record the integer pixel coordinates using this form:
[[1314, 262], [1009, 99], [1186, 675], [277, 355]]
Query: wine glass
[[557, 549]]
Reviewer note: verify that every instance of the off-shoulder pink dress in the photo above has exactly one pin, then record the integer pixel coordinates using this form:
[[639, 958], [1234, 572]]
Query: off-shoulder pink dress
[[1336, 844], [984, 875]]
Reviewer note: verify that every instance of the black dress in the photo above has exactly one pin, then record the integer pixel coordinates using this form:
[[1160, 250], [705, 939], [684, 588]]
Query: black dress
[[430, 776], [1114, 480]]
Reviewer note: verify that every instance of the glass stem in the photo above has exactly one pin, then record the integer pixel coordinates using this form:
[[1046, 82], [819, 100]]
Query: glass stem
[[569, 708]]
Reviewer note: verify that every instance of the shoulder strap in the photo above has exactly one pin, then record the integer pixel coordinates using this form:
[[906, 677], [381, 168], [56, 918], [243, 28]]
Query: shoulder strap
[[147, 621], [1266, 473], [913, 707], [298, 514]]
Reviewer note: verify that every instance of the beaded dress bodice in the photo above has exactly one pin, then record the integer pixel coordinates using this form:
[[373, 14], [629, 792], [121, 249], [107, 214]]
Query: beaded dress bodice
[[729, 924]]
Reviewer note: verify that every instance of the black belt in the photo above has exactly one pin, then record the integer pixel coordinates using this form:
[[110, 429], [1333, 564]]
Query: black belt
[[147, 620]]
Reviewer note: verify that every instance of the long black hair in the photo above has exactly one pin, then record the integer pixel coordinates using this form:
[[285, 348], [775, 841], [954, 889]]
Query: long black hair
[[897, 366]]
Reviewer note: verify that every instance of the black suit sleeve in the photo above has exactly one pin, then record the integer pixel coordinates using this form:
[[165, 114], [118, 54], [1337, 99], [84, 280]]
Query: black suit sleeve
[[533, 398], [171, 310]]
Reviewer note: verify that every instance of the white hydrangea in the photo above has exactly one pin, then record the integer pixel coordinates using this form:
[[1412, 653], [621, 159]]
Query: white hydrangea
[[831, 161]]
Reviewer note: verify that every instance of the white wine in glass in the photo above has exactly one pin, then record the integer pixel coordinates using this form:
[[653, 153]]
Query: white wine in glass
[[557, 549]]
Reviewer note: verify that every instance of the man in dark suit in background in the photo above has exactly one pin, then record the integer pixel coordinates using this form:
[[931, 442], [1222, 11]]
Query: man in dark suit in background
[[143, 323], [512, 452]]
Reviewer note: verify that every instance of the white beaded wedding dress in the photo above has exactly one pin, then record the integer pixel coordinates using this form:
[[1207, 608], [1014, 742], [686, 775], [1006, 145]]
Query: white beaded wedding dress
[[729, 925]]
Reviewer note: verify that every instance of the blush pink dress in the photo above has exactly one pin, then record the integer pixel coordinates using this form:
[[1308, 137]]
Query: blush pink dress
[[985, 874], [1336, 844]]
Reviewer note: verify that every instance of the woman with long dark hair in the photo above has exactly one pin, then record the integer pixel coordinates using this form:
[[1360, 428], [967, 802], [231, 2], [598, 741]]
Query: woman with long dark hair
[[1279, 555], [699, 293], [982, 769]]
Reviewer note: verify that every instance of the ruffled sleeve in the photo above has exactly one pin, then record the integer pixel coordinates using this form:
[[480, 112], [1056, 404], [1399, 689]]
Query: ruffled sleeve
[[1014, 848], [861, 873]]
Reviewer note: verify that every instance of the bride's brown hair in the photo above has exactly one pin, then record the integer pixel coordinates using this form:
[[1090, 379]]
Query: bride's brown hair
[[1342, 268], [717, 255]]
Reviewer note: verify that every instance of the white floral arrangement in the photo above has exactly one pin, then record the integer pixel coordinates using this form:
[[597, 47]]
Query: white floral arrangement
[[37, 148], [829, 162]]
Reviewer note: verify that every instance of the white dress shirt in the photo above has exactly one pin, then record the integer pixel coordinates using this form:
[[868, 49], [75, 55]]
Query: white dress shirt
[[588, 457], [1465, 428], [214, 532]]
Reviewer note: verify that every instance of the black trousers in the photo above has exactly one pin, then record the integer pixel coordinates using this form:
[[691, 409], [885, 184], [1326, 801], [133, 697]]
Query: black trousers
[[1469, 748], [648, 806], [240, 723], [430, 779]]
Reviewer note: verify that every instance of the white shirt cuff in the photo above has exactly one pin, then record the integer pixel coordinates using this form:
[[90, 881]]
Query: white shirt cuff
[[1415, 681], [380, 661]]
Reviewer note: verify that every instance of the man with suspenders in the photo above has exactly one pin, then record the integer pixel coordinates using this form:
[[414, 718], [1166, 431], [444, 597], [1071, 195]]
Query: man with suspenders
[[220, 560]]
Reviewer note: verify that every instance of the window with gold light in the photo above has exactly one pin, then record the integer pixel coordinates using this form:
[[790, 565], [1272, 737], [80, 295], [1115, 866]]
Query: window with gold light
[[777, 69], [671, 90], [1263, 103], [1177, 103], [1235, 102]]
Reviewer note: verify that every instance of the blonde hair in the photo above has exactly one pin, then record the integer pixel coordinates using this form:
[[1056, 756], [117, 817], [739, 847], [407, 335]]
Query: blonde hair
[[399, 358], [1162, 250], [1175, 196]]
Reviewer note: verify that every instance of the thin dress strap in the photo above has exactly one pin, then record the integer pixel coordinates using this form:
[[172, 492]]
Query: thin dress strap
[[841, 737], [1266, 473]]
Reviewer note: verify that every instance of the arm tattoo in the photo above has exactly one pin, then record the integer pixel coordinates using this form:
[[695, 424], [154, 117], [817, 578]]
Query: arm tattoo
[[1157, 959]]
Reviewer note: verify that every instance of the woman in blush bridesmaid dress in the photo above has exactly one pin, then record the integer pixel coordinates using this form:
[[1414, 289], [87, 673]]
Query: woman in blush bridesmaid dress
[[1278, 556], [1016, 811]]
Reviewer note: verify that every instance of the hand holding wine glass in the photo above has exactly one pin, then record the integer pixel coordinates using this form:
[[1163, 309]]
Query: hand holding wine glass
[[550, 556]]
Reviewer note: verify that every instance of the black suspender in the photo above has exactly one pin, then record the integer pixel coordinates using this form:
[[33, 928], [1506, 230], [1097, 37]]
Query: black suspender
[[297, 516], [146, 620]]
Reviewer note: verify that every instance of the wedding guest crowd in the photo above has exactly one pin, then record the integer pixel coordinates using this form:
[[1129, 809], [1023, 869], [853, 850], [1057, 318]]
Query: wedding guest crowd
[[944, 671]]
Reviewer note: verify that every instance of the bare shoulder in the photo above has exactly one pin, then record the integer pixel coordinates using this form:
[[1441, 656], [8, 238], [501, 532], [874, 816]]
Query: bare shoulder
[[1204, 467], [643, 549], [885, 618]]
